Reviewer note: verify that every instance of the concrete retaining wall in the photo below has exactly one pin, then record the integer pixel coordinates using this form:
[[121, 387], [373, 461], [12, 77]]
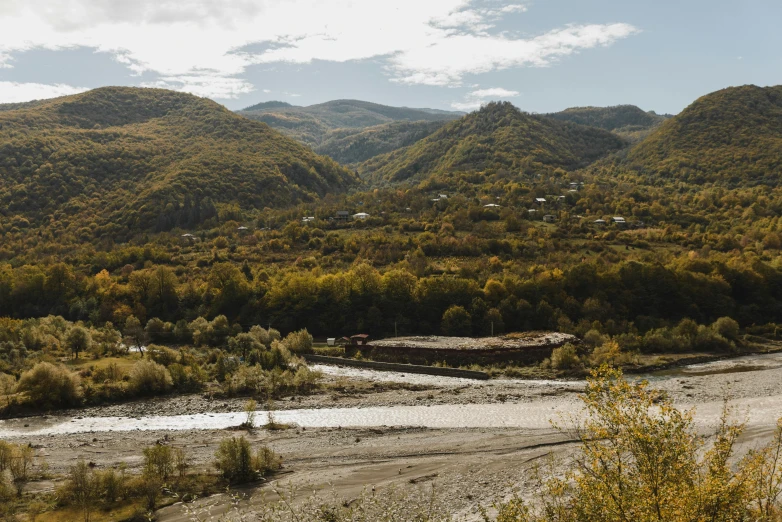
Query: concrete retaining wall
[[395, 367]]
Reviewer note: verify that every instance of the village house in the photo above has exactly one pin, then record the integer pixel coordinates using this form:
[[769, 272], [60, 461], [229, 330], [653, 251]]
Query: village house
[[344, 215], [618, 220], [361, 215], [548, 218]]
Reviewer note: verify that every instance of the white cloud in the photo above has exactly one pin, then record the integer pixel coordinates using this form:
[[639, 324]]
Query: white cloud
[[202, 45], [475, 99], [13, 92], [495, 92], [213, 86]]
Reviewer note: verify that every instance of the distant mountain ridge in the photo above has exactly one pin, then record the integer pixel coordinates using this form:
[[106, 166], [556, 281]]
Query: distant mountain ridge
[[498, 136], [627, 121], [353, 146], [117, 161], [311, 124]]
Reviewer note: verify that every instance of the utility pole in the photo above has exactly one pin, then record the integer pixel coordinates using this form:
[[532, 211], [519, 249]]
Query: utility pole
[[395, 334], [492, 328]]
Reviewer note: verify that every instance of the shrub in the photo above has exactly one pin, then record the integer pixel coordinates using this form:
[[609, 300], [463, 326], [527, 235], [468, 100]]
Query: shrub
[[237, 464], [158, 461], [83, 488], [726, 327], [149, 377], [299, 342], [162, 355], [457, 321], [642, 459], [50, 386], [565, 357], [607, 353]]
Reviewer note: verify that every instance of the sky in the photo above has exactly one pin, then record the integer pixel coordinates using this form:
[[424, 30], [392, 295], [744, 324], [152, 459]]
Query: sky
[[542, 55]]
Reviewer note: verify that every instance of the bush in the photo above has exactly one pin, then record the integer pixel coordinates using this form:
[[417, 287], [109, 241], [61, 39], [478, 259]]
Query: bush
[[299, 342], [457, 321], [50, 386], [162, 355], [158, 461], [237, 464], [726, 327], [149, 377], [565, 357]]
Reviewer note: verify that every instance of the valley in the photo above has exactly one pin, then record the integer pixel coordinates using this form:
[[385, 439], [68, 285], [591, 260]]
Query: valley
[[167, 266]]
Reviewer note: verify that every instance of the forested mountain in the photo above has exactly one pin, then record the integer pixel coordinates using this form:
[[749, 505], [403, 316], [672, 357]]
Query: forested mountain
[[116, 161], [731, 136], [311, 124], [498, 136], [351, 146], [628, 121], [268, 105]]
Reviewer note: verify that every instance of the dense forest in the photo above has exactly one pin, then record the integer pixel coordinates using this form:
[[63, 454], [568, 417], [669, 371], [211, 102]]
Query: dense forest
[[117, 161], [351, 146], [464, 240], [497, 136], [732, 137]]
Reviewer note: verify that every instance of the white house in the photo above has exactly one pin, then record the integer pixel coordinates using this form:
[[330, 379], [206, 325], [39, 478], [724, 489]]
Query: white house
[[619, 220], [492, 205], [540, 200], [360, 215]]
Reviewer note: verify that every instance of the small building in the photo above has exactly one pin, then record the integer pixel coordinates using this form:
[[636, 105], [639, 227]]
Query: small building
[[492, 205], [443, 196], [600, 222], [307, 219], [343, 215], [242, 229], [361, 215], [618, 220], [331, 341], [532, 211], [540, 200], [548, 218], [359, 339], [188, 238]]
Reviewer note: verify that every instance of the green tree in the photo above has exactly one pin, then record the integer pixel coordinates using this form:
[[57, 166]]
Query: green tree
[[78, 339], [456, 321]]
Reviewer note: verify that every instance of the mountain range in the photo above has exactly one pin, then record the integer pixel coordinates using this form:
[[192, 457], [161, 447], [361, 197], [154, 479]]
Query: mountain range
[[498, 136], [311, 125], [115, 161]]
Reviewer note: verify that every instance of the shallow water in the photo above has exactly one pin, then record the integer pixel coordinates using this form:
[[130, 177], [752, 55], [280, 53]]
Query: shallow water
[[535, 416], [758, 412], [432, 380], [748, 363]]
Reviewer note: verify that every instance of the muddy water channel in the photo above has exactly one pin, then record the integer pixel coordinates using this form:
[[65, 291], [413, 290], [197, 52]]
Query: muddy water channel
[[759, 402]]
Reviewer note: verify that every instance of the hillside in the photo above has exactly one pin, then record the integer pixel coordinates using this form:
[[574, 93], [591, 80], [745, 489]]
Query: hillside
[[498, 136], [627, 121], [116, 161], [310, 125], [732, 136], [352, 146]]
